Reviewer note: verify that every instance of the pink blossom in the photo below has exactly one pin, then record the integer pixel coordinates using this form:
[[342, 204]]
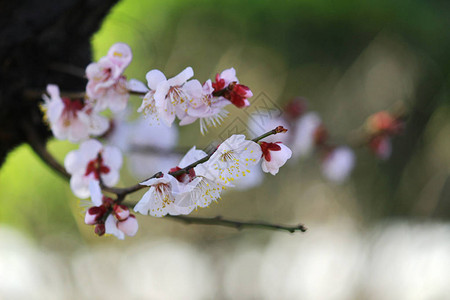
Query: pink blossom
[[166, 98], [227, 86], [107, 87], [203, 105], [92, 161], [72, 119], [119, 222]]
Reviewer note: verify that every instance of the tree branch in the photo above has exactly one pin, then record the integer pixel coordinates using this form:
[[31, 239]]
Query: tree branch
[[219, 221], [40, 149]]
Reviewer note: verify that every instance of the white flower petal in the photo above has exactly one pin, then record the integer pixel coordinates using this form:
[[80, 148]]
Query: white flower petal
[[154, 78], [112, 157], [129, 226], [191, 156], [181, 78], [137, 86], [96, 192], [111, 227]]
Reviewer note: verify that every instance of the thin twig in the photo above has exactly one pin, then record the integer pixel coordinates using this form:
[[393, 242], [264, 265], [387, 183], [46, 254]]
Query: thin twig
[[219, 221]]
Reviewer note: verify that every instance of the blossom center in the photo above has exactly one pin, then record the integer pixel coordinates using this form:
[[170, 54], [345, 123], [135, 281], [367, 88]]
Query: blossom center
[[71, 109], [97, 167]]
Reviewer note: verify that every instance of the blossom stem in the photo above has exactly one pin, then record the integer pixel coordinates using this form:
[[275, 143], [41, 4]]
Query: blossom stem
[[236, 224]]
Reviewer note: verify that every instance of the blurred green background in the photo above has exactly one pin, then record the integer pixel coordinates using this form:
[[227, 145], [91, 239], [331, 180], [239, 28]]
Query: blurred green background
[[350, 59]]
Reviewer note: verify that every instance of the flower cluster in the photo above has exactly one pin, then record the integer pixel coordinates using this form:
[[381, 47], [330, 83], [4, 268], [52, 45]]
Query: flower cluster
[[109, 217], [189, 100], [195, 181], [182, 185], [184, 189], [107, 86]]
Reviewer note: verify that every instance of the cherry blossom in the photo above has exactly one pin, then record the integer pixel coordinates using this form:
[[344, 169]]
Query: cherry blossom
[[92, 161], [107, 86], [204, 106], [274, 156], [202, 189], [227, 86], [232, 159], [166, 98], [159, 200], [119, 221], [338, 164], [72, 119]]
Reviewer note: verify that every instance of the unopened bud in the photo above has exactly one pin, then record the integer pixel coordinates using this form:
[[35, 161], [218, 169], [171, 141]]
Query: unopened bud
[[99, 229], [93, 214], [280, 129], [121, 212]]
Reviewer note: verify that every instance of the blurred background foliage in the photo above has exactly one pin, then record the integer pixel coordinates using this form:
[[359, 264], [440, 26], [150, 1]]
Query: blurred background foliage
[[348, 58]]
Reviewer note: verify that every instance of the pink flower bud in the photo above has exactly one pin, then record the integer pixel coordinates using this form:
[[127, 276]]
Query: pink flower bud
[[238, 95], [121, 212], [129, 226], [93, 214]]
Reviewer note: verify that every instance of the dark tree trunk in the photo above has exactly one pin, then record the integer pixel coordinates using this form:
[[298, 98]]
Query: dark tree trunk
[[35, 37]]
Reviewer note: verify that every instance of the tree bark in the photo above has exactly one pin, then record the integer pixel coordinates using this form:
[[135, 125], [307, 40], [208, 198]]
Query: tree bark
[[37, 36]]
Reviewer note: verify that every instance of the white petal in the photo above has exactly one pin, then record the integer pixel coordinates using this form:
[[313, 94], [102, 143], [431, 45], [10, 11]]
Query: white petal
[[72, 163], [89, 150], [92, 70], [137, 86], [191, 156], [154, 77], [193, 88], [130, 226], [96, 192], [111, 227], [98, 124], [143, 205], [112, 157], [111, 178], [181, 78], [77, 131], [80, 185], [229, 75], [120, 54]]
